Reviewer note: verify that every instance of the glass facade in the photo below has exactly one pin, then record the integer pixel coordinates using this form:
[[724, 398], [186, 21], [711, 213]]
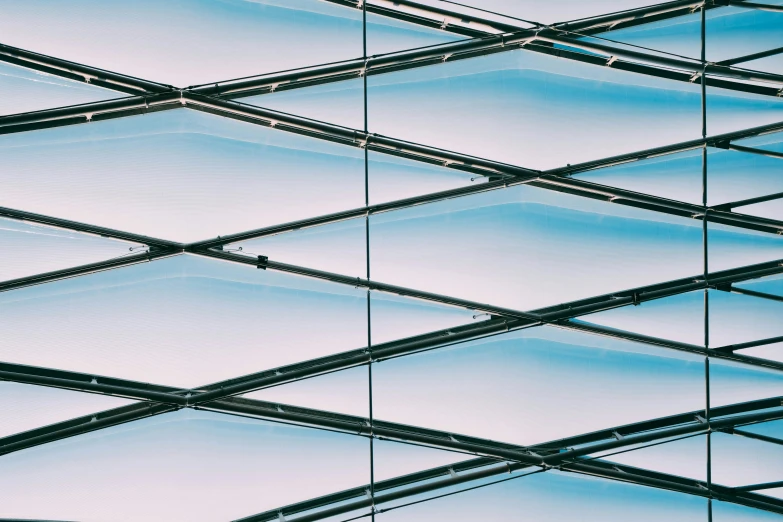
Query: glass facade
[[335, 260]]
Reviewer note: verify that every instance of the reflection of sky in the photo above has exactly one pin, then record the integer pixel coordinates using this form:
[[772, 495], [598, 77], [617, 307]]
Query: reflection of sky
[[183, 321], [185, 42], [25, 407], [732, 176], [187, 465], [508, 387], [731, 32], [27, 90], [505, 247], [554, 497], [30, 249], [181, 175]]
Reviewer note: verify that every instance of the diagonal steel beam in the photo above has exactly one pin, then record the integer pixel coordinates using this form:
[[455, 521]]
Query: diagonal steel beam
[[751, 435], [751, 5], [80, 72], [749, 57]]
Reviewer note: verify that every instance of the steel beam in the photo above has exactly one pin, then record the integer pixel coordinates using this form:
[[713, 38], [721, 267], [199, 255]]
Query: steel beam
[[751, 435], [751, 5], [81, 425], [754, 56], [80, 72]]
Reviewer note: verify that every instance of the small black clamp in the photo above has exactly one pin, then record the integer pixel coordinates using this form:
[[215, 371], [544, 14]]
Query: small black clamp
[[262, 262], [635, 299]]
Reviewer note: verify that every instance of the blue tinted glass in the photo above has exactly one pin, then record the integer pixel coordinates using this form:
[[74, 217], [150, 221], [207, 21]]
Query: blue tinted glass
[[225, 467]]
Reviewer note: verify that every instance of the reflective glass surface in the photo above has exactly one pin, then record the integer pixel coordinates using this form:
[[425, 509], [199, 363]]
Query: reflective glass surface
[[536, 385], [511, 107], [200, 175], [180, 321], [29, 249], [741, 461], [224, 467], [26, 90], [555, 496], [25, 407], [183, 43], [387, 35], [504, 247]]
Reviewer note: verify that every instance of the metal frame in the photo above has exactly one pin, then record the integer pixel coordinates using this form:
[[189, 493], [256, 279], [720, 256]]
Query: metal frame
[[488, 37]]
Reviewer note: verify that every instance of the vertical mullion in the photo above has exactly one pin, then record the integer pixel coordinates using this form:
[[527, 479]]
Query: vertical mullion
[[367, 260], [705, 257]]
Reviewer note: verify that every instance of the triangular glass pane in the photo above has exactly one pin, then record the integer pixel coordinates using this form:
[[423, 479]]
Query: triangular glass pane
[[680, 35], [391, 178], [26, 90], [733, 318], [771, 142], [345, 391], [504, 247], [503, 387], [29, 249], [486, 107], [226, 467], [683, 457], [772, 285], [24, 407], [674, 176], [335, 247], [199, 175], [395, 317], [770, 429], [182, 321], [339, 103], [396, 459], [732, 383], [734, 32], [387, 35], [730, 110], [212, 40], [733, 247], [554, 496], [741, 461], [732, 176]]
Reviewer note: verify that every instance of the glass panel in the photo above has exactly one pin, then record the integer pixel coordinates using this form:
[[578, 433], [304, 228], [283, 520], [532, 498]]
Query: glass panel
[[335, 247], [555, 496], [505, 247], [741, 461], [340, 103], [395, 459], [199, 175], [225, 467], [674, 176], [395, 317], [733, 176], [29, 249], [683, 457], [680, 35], [728, 512], [182, 321], [729, 110], [734, 318], [769, 429], [732, 383], [772, 142], [531, 386], [387, 35], [543, 12], [731, 247], [678, 318], [26, 90], [346, 391], [772, 285], [25, 407], [511, 106], [392, 178], [205, 41], [733, 32]]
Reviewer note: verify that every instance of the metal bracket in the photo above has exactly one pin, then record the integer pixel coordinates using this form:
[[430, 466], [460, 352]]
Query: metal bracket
[[262, 262]]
